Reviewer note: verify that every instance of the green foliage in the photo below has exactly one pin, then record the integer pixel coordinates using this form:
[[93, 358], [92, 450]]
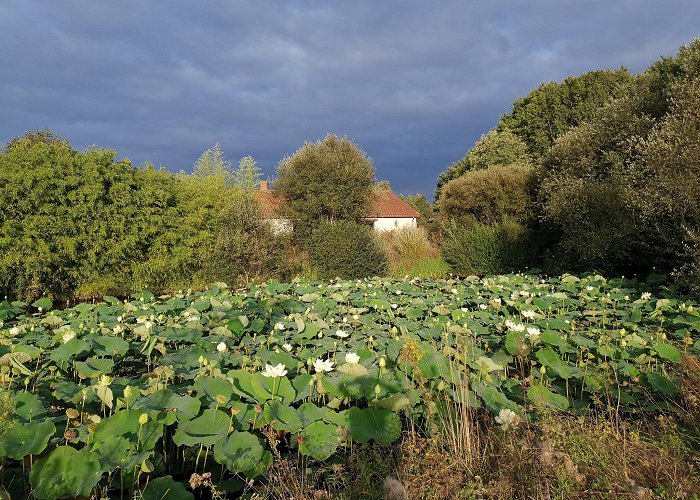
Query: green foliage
[[213, 163], [485, 249], [553, 108], [247, 175], [346, 249], [489, 196], [331, 179], [188, 372], [245, 246], [497, 148], [621, 191], [427, 216]]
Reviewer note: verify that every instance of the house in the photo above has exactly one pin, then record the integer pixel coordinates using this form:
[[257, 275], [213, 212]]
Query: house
[[388, 211]]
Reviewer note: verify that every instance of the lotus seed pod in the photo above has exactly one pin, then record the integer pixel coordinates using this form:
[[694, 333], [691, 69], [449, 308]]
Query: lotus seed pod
[[128, 392], [72, 413], [92, 428], [143, 419], [70, 434], [221, 399], [382, 362], [200, 360], [147, 466], [543, 370], [394, 330], [235, 411], [355, 317]]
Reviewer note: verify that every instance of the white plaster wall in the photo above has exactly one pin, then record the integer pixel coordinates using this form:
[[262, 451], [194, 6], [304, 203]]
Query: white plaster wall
[[280, 226], [392, 223]]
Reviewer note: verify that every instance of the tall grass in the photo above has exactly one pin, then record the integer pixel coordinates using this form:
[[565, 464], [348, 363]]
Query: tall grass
[[412, 253]]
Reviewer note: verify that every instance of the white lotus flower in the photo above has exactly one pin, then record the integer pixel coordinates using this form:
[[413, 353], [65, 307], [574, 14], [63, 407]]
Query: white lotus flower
[[394, 306], [533, 332], [287, 347], [528, 313], [14, 330], [274, 371], [646, 296], [589, 288], [507, 418], [221, 347], [483, 307], [352, 358], [279, 326], [323, 366], [398, 292], [148, 325], [342, 334], [514, 296], [515, 327]]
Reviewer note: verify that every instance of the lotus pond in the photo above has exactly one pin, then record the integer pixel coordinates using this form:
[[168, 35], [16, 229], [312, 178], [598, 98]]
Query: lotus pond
[[126, 399]]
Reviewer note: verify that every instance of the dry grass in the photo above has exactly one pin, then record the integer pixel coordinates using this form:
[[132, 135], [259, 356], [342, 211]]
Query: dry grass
[[557, 456]]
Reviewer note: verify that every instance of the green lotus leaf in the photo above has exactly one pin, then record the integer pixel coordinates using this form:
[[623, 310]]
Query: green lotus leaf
[[493, 398], [211, 426], [661, 384], [176, 407], [115, 452], [93, 367], [265, 388], [28, 406], [108, 346], [319, 440], [542, 397], [27, 439], [395, 402], [377, 424], [65, 472], [239, 452], [282, 417], [165, 488], [669, 352], [211, 387], [352, 369], [45, 303], [434, 365], [126, 423], [309, 413], [69, 350]]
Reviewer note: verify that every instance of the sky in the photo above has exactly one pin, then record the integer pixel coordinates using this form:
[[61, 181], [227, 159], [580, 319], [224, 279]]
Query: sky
[[414, 83]]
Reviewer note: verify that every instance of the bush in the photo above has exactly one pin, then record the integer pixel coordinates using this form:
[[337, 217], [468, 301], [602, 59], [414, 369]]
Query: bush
[[486, 249], [489, 196], [246, 246], [408, 247], [346, 249]]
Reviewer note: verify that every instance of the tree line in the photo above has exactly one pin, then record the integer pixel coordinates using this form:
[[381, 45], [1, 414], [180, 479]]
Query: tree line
[[597, 172]]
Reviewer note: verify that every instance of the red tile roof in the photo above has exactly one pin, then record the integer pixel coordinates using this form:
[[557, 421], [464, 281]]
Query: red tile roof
[[385, 204]]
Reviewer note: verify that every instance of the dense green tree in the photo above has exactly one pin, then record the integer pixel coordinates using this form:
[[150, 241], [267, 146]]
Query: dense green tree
[[553, 108], [489, 196], [213, 163], [620, 191], [331, 179], [497, 148], [247, 175]]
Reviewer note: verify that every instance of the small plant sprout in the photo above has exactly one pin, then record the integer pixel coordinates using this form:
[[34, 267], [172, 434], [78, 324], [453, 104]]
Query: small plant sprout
[[507, 419]]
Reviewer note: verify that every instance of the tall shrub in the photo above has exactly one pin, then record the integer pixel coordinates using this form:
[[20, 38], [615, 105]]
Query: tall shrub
[[346, 249]]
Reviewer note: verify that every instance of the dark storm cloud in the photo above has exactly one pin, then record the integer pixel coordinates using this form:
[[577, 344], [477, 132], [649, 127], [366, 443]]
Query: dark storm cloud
[[414, 83]]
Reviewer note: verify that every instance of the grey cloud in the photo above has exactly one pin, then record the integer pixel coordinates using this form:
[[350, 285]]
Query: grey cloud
[[415, 83]]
